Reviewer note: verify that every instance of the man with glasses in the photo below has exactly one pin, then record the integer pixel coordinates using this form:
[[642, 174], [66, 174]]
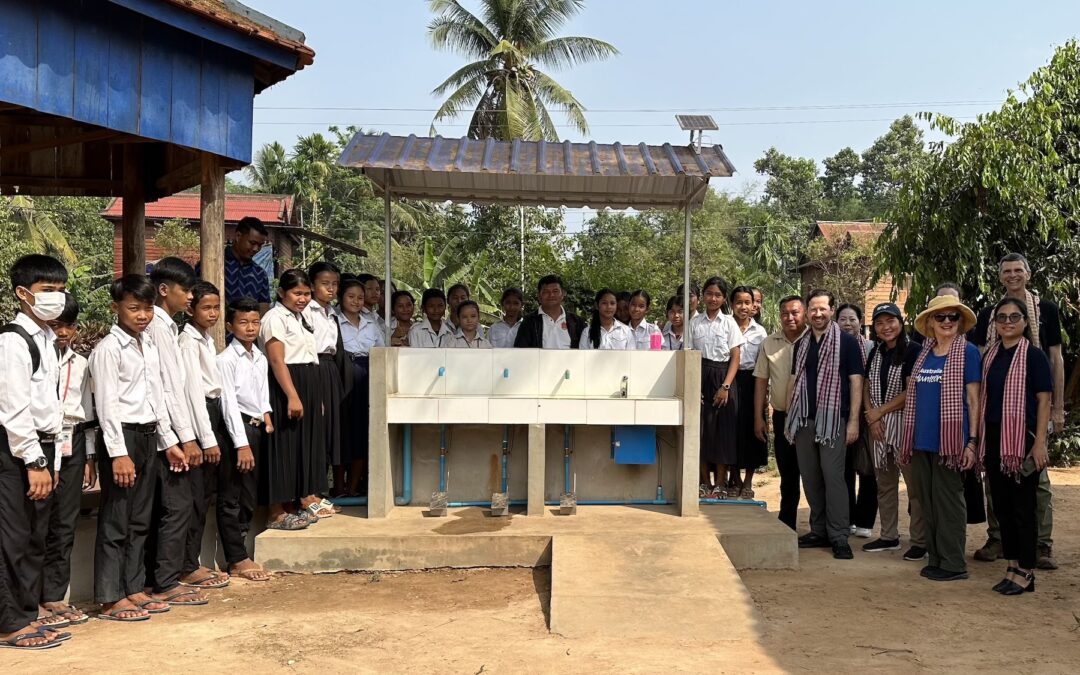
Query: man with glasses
[[244, 278], [1014, 272]]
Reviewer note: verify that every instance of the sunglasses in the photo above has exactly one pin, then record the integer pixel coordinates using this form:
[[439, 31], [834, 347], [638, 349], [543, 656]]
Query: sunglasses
[[1009, 318], [942, 318]]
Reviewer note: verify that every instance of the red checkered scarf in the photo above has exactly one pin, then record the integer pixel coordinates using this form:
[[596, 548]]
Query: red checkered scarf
[[951, 443], [886, 450], [1013, 409], [1032, 302], [827, 419]]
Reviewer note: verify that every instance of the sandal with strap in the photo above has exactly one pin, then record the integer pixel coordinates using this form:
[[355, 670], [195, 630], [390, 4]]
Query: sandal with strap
[[114, 615], [319, 511], [327, 504], [53, 621], [73, 614], [747, 493], [290, 522], [172, 600], [254, 574], [215, 581], [56, 635], [13, 641]]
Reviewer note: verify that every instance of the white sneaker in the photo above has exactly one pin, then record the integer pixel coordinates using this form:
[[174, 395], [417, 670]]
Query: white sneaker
[[862, 532], [853, 528]]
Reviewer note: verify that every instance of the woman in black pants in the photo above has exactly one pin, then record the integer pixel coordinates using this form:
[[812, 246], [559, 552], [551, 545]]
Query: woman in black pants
[[1016, 411]]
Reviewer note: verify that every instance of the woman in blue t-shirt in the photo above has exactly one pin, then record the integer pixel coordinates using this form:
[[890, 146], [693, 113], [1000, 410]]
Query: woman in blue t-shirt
[[1015, 415], [940, 413]]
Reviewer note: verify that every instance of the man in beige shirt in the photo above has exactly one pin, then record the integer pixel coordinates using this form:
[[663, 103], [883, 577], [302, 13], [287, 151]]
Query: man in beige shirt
[[773, 374]]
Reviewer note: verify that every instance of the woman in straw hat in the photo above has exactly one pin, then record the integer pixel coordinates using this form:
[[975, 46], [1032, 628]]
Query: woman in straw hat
[[941, 415]]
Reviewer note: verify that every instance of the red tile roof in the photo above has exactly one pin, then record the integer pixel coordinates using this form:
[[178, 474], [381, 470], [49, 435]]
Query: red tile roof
[[271, 209], [217, 11], [836, 230]]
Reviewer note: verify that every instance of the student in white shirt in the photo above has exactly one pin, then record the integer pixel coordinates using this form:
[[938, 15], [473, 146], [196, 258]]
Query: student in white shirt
[[752, 452], [433, 330], [177, 494], [503, 333], [675, 325], [403, 305], [30, 418], [373, 295], [126, 373], [468, 334], [643, 329], [334, 380], [246, 402], [718, 337], [74, 464], [297, 448], [455, 295], [359, 334], [604, 330]]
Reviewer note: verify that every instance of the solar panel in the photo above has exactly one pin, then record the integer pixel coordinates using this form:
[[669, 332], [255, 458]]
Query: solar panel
[[696, 122]]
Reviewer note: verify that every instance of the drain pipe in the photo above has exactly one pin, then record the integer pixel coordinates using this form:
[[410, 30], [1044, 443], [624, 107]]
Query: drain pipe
[[567, 488], [442, 458], [406, 479], [505, 458]]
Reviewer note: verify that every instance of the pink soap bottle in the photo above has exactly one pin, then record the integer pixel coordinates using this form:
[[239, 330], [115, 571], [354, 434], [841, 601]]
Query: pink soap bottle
[[656, 342]]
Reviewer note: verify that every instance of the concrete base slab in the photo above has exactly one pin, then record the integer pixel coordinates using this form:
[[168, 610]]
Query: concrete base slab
[[752, 537]]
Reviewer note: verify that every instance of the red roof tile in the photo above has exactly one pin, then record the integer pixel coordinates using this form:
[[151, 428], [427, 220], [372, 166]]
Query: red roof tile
[[836, 230], [271, 209]]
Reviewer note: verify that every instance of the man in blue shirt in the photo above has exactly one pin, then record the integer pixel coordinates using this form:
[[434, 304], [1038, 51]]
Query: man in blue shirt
[[244, 278]]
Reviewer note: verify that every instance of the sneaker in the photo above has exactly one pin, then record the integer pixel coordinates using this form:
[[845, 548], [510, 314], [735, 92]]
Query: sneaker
[[703, 491], [882, 545], [811, 540], [863, 532], [1046, 560], [841, 550], [939, 574], [928, 570], [915, 553], [989, 552]]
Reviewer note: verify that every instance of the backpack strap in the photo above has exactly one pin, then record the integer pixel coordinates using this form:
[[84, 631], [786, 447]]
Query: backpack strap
[[35, 354]]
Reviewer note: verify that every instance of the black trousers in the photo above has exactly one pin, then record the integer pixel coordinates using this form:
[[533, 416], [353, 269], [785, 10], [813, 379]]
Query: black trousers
[[787, 463], [170, 521], [236, 494], [204, 480], [63, 518], [1015, 503], [861, 505], [23, 529], [124, 520]]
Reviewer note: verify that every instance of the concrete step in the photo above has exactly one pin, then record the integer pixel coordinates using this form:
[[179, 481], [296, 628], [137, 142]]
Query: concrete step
[[678, 586]]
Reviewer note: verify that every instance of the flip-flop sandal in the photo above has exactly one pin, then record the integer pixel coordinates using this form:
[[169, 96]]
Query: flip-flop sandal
[[291, 523], [245, 574], [53, 621], [69, 611], [327, 504], [173, 602], [13, 642], [114, 615], [217, 582], [56, 635], [319, 511], [151, 601]]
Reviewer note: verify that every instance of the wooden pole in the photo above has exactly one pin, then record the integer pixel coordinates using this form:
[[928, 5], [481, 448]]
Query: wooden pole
[[212, 232], [133, 218]]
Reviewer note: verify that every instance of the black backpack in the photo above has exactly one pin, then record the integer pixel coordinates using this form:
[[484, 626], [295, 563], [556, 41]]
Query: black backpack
[[35, 354]]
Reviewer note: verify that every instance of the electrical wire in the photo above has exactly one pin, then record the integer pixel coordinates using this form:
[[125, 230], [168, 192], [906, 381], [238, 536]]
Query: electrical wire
[[718, 109]]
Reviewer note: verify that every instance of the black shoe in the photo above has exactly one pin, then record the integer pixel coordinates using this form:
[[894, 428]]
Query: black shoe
[[841, 551], [939, 574], [1013, 588], [882, 545], [811, 540], [1005, 581], [915, 553], [928, 570]]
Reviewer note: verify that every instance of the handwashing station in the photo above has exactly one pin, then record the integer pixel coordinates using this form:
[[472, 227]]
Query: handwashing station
[[538, 429]]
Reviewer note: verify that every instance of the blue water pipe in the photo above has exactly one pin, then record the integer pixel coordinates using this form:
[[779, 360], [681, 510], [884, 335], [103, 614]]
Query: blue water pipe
[[457, 505], [618, 502], [442, 458], [566, 458], [406, 462], [740, 502], [505, 458]]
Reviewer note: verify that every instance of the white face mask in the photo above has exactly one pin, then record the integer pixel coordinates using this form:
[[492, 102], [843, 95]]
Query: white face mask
[[48, 305]]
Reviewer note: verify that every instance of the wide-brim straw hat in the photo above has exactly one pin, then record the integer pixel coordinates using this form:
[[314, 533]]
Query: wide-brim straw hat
[[940, 304]]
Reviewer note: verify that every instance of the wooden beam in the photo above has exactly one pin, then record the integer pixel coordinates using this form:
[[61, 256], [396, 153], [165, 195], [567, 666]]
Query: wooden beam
[[95, 184], [181, 178], [133, 220], [56, 142], [212, 232]]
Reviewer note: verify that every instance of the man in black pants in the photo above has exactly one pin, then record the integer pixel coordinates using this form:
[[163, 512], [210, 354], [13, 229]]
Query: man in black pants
[[773, 374]]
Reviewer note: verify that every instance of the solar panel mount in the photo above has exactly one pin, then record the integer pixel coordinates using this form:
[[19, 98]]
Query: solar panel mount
[[696, 122]]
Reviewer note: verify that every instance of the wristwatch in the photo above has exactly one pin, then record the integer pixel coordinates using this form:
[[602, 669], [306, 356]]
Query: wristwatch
[[725, 387], [39, 463]]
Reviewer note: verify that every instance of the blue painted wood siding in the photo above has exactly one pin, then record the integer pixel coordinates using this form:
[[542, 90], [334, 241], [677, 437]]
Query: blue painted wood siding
[[97, 63]]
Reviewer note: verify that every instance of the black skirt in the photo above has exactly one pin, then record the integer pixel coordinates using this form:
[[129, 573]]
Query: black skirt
[[718, 424], [354, 414], [752, 451], [295, 465], [332, 391]]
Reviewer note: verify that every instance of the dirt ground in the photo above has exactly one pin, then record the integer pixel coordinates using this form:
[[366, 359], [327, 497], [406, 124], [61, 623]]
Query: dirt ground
[[841, 616]]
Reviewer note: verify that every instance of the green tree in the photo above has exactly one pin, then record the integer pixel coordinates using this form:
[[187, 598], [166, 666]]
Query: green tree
[[840, 193], [509, 43], [899, 149], [175, 237]]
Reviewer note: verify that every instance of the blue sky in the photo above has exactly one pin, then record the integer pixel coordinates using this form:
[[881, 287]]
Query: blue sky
[[705, 55]]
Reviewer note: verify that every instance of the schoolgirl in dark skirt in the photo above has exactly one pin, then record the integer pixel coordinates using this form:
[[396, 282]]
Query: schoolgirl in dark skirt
[[751, 451], [296, 453], [718, 337], [325, 279]]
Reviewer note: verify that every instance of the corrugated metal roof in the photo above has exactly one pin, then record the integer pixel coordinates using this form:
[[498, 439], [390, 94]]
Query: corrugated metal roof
[[537, 172]]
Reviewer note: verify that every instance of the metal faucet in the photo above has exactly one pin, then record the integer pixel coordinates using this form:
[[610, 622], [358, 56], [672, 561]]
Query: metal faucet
[[625, 385]]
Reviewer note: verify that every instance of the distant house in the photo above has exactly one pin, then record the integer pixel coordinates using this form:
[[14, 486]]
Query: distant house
[[834, 232]]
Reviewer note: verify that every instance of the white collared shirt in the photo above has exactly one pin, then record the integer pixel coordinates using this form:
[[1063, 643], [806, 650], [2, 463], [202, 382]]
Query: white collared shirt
[[359, 340], [716, 337], [324, 321], [28, 400], [672, 342], [502, 335], [556, 333], [754, 335], [288, 328], [643, 334], [619, 336], [76, 393], [246, 387], [423, 335], [163, 332], [202, 380], [459, 341], [127, 380], [377, 318]]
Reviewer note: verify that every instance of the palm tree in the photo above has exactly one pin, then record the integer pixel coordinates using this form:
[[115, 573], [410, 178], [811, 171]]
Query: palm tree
[[40, 230], [270, 172], [504, 83]]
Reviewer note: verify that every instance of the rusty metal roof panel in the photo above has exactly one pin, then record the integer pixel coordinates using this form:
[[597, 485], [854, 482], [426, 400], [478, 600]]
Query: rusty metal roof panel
[[537, 172]]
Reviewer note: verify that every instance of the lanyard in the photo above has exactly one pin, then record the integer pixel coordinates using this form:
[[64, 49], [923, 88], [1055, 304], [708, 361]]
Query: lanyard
[[67, 385]]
